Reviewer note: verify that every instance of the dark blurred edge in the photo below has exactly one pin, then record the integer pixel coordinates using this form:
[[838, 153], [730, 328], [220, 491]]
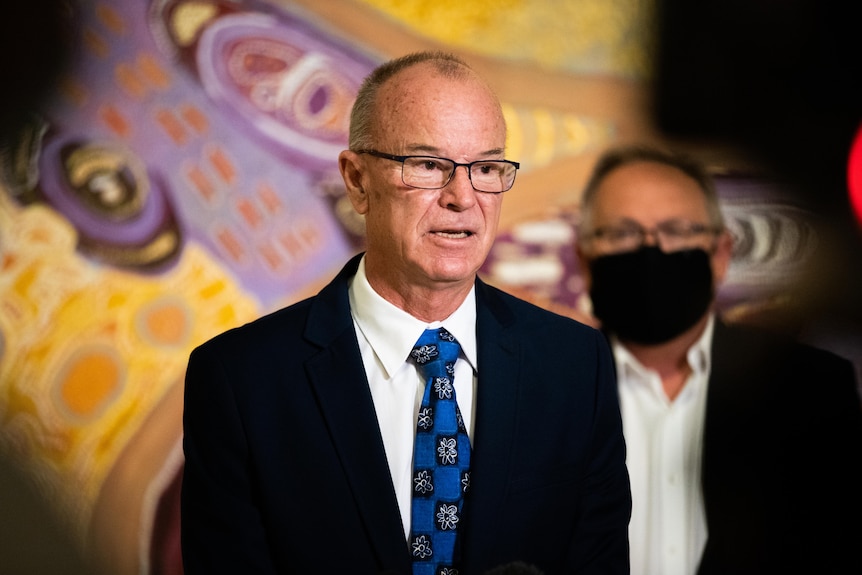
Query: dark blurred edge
[[37, 39], [37, 43], [33, 540], [779, 81]]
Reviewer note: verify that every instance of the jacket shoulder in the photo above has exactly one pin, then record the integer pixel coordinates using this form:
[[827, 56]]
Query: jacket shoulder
[[762, 345], [510, 308]]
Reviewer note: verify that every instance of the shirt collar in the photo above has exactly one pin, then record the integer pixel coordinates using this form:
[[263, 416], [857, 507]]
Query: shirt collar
[[698, 356], [392, 332]]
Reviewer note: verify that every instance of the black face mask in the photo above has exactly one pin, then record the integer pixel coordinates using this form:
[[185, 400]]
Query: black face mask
[[648, 296]]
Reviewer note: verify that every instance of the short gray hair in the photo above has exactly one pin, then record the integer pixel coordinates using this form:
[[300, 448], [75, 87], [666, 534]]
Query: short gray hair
[[622, 156], [362, 114]]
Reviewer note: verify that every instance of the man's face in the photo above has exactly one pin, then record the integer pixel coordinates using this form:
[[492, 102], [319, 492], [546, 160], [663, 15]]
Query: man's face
[[428, 238], [650, 195]]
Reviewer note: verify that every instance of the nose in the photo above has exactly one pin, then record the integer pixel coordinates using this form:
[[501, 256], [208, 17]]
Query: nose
[[458, 194], [651, 238]]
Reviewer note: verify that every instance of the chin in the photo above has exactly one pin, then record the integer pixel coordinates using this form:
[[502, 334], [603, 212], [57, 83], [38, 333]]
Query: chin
[[453, 272]]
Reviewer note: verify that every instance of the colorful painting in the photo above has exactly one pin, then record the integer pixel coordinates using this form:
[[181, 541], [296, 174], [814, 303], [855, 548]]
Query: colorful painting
[[182, 180]]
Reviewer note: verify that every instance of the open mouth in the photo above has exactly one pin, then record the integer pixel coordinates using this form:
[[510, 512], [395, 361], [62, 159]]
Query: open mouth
[[455, 235]]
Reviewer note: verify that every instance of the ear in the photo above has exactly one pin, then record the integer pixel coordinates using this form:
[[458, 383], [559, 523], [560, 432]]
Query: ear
[[721, 257], [350, 166]]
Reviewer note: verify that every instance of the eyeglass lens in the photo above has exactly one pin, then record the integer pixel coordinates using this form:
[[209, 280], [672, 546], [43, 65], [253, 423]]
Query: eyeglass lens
[[432, 173], [671, 236]]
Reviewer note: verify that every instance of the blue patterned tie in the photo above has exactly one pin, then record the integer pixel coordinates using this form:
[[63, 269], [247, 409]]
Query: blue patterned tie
[[441, 460]]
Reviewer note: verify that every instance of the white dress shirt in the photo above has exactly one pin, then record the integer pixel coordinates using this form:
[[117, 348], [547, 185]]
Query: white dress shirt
[[386, 336], [664, 446]]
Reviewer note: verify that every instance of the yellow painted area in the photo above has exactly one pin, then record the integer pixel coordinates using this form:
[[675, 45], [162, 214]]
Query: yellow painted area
[[539, 136], [545, 136], [89, 382], [514, 132], [589, 35], [166, 323], [88, 351], [188, 20]]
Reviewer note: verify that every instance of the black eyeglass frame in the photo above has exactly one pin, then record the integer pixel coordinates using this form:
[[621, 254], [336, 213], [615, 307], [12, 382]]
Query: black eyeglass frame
[[455, 165]]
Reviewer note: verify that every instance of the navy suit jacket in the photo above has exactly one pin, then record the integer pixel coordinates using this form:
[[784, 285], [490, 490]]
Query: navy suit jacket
[[286, 471], [782, 448]]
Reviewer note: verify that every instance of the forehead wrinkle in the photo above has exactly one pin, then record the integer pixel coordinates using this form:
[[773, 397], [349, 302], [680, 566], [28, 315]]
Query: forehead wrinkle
[[434, 150]]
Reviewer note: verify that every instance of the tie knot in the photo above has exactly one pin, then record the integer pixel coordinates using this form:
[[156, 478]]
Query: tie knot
[[436, 347]]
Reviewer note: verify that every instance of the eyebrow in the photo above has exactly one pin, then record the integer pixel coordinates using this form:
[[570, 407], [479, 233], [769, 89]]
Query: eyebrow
[[434, 151]]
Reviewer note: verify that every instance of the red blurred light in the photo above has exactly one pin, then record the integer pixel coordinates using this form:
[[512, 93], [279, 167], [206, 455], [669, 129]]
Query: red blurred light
[[854, 175]]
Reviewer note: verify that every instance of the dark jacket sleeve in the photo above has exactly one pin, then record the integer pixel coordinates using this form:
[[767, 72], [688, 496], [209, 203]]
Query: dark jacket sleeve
[[221, 530], [782, 454], [600, 542]]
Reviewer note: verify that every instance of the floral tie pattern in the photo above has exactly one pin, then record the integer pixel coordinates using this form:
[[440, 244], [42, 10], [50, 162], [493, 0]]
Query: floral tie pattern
[[441, 460]]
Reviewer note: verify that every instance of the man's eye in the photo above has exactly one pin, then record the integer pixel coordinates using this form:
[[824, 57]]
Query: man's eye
[[431, 165], [621, 233]]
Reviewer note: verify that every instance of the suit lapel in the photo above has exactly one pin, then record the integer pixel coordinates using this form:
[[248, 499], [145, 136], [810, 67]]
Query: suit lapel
[[338, 379], [337, 376], [494, 430]]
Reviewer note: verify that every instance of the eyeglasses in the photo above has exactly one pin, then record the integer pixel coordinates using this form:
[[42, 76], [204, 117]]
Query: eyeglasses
[[431, 172], [671, 236]]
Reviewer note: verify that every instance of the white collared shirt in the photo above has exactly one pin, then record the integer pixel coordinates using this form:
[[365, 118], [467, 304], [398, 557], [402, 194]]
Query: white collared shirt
[[386, 336], [664, 445]]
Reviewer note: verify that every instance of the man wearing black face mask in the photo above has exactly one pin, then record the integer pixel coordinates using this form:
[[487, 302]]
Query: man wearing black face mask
[[743, 449]]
